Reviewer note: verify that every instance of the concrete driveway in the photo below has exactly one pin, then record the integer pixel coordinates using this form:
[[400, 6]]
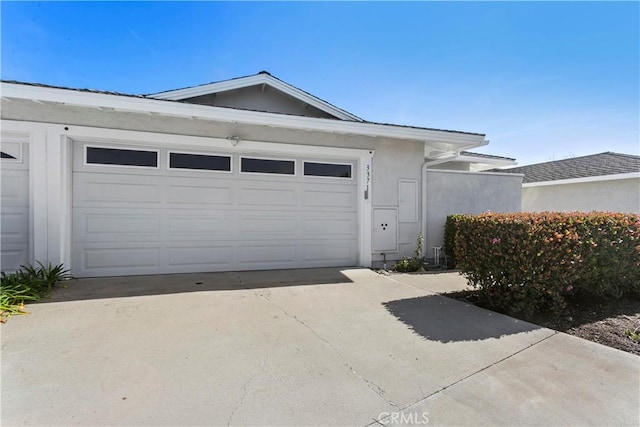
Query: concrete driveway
[[299, 347]]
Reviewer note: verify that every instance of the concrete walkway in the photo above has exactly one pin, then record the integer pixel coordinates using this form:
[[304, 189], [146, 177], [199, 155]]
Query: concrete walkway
[[299, 347]]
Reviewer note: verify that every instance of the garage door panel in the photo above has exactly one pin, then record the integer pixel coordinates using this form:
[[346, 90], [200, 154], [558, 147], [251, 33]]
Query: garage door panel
[[14, 225], [121, 224], [202, 257], [15, 188], [328, 199], [161, 221], [115, 190], [91, 225], [279, 226], [333, 226], [328, 253], [181, 226], [14, 202], [13, 255], [265, 254], [199, 194], [263, 195], [116, 260]]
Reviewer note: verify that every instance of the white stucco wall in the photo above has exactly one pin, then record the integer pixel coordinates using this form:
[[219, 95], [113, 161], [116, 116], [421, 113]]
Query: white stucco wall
[[619, 195], [453, 192], [393, 162]]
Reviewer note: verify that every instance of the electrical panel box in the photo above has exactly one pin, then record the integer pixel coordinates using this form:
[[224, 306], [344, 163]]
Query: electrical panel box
[[385, 230]]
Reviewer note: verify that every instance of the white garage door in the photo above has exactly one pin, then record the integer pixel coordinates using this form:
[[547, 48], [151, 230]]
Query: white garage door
[[14, 203], [148, 211]]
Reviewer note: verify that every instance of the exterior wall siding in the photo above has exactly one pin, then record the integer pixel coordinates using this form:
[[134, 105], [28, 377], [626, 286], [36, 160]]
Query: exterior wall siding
[[453, 192], [393, 162], [620, 195]]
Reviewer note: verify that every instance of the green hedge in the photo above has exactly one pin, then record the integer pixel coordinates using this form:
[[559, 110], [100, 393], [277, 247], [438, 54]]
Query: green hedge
[[529, 262], [449, 239]]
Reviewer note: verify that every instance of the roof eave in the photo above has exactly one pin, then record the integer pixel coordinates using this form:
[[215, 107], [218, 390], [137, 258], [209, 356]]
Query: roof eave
[[461, 141], [479, 164], [487, 161]]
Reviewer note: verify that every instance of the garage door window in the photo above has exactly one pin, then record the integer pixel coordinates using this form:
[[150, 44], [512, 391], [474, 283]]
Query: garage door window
[[331, 170], [11, 151], [199, 162], [121, 157], [269, 166]]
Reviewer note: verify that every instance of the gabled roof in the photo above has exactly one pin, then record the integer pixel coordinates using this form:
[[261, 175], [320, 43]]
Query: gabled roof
[[262, 78], [40, 93], [602, 164]]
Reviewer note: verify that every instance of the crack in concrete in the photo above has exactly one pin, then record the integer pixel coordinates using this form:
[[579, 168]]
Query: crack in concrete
[[242, 397], [245, 391], [372, 386], [245, 386], [473, 373], [480, 370]]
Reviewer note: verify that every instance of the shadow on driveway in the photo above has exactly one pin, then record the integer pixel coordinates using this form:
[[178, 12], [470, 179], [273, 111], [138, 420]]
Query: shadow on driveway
[[131, 286], [437, 318]]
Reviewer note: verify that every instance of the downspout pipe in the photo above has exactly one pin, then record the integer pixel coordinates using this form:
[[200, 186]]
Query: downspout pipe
[[447, 158]]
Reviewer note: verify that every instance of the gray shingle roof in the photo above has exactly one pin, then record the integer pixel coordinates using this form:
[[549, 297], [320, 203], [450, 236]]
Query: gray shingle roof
[[606, 163], [104, 92]]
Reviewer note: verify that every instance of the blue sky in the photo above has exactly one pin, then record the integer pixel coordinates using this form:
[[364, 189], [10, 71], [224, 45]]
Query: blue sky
[[543, 80]]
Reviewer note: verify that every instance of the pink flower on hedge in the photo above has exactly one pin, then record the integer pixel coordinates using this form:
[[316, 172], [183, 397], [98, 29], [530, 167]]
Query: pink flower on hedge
[[495, 240], [569, 288]]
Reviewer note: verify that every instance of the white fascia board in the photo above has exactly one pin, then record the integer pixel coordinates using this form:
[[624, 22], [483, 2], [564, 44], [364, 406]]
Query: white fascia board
[[486, 161], [479, 164], [600, 178], [190, 92], [179, 94], [461, 141]]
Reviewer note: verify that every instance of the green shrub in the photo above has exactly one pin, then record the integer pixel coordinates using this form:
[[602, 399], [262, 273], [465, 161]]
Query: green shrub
[[27, 284], [526, 262], [449, 239]]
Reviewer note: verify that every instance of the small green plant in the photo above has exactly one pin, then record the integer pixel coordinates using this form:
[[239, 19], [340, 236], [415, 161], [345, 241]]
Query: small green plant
[[633, 335], [414, 263], [30, 283]]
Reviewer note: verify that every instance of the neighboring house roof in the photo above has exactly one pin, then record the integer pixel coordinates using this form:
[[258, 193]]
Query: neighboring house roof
[[262, 78], [602, 164]]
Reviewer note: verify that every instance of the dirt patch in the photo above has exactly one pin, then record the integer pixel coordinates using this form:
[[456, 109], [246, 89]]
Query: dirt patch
[[607, 321]]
